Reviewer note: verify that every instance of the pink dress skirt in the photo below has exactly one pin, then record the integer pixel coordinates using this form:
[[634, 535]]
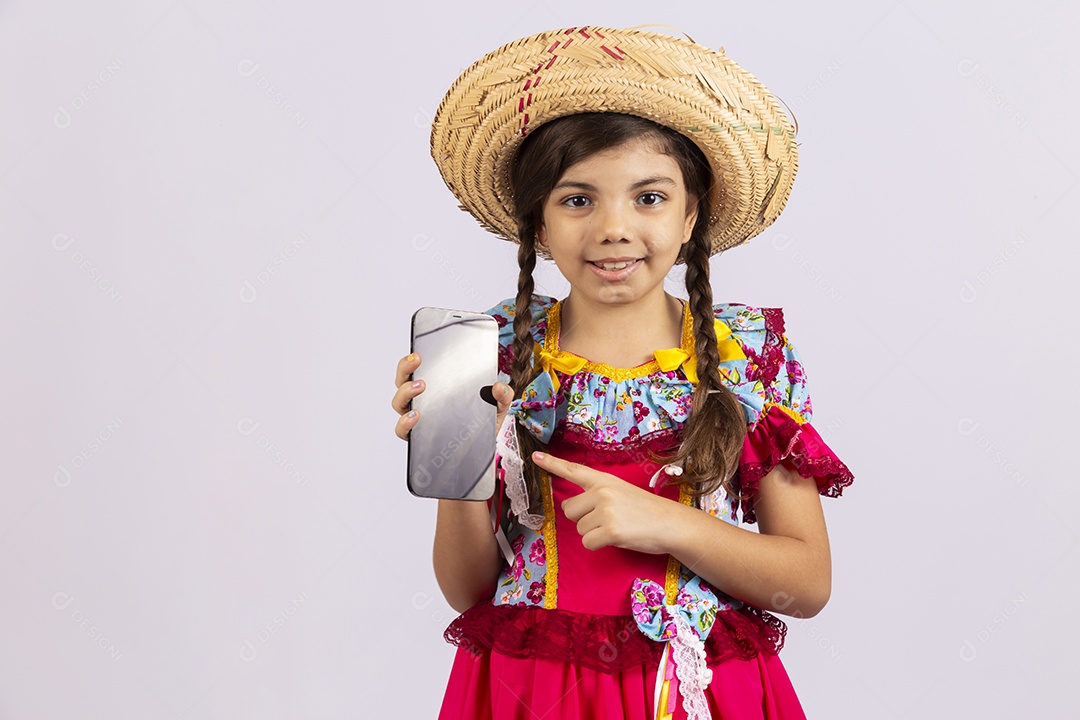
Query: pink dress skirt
[[586, 658], [492, 686]]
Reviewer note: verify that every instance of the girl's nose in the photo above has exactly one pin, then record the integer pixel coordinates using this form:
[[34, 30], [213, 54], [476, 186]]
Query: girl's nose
[[613, 223]]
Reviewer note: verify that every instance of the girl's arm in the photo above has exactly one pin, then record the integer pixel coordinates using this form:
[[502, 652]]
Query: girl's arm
[[466, 557], [786, 568]]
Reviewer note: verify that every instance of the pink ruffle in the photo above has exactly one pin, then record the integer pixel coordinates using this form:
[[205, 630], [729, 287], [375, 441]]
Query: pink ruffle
[[778, 436], [610, 643], [659, 441]]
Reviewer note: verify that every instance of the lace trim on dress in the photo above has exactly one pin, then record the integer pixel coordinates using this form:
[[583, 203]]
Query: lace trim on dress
[[609, 643], [509, 459], [660, 441], [690, 667], [772, 352]]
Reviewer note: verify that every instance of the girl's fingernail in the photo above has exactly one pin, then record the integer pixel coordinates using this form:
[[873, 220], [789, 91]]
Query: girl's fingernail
[[412, 356], [412, 413], [538, 456], [416, 384]]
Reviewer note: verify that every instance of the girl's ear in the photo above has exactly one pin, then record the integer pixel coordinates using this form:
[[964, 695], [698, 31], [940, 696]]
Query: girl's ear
[[691, 218], [541, 237]]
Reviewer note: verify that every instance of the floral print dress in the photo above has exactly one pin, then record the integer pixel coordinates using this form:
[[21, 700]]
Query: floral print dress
[[614, 633]]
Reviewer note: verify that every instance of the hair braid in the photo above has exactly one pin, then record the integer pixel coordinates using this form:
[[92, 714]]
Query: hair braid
[[714, 433], [522, 369]]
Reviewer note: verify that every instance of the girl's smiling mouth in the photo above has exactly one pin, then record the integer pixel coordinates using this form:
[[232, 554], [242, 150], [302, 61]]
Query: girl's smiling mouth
[[620, 269]]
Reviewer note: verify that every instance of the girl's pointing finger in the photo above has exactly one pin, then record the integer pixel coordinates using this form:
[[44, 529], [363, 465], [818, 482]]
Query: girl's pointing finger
[[574, 472]]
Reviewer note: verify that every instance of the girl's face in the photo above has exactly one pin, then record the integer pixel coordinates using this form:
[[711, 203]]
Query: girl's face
[[626, 207]]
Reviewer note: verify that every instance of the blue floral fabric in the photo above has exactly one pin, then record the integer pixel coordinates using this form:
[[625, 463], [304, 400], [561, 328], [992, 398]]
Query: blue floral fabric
[[625, 409]]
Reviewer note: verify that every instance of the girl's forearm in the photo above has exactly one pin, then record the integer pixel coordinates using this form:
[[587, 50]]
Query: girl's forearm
[[465, 555], [772, 572]]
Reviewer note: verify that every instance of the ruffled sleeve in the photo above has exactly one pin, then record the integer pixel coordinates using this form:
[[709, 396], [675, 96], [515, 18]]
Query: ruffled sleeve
[[504, 313], [771, 383]]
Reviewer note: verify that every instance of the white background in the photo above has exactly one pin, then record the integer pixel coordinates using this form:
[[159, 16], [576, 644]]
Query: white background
[[216, 221]]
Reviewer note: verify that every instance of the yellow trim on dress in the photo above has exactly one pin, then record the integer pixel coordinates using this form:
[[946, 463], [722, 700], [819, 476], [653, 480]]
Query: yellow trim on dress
[[663, 704], [553, 358], [551, 550], [674, 567], [798, 416]]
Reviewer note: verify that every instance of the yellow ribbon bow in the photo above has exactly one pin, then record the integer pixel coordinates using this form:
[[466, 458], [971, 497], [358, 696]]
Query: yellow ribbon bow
[[668, 359], [671, 358], [561, 361]]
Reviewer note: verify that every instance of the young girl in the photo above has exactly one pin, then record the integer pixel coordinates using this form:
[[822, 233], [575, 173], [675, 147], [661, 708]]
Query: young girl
[[615, 581]]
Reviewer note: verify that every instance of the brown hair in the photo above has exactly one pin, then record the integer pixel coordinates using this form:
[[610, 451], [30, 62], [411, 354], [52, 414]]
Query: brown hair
[[714, 433]]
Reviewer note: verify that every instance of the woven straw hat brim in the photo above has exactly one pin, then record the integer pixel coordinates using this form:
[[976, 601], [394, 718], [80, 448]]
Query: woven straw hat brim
[[699, 92]]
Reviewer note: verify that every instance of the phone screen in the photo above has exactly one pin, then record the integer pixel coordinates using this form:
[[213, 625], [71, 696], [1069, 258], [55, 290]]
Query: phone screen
[[452, 445]]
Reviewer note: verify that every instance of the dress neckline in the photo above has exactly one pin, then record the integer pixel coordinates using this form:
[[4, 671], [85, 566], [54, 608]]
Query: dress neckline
[[554, 331]]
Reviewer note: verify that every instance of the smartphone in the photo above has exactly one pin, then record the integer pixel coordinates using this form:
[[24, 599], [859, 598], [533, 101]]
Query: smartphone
[[452, 445]]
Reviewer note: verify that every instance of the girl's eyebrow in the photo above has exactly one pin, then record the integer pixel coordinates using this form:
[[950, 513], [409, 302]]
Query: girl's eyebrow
[[574, 184], [655, 180]]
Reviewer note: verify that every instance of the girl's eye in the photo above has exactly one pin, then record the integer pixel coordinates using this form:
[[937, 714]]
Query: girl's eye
[[651, 198], [576, 201]]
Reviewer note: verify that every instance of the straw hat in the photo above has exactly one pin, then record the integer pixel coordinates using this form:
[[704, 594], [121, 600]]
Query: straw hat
[[699, 92]]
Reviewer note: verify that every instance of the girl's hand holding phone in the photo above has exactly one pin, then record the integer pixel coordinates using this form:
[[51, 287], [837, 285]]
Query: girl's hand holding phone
[[408, 389]]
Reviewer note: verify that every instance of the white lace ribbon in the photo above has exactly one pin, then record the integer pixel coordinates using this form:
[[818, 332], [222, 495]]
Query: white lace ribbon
[[506, 445], [688, 651]]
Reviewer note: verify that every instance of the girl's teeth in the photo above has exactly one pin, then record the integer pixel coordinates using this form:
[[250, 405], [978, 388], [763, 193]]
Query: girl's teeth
[[616, 266]]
